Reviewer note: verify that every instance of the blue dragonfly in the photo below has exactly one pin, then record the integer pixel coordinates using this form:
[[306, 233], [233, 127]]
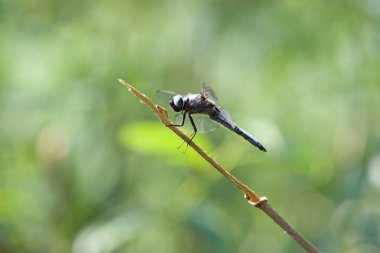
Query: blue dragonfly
[[203, 104]]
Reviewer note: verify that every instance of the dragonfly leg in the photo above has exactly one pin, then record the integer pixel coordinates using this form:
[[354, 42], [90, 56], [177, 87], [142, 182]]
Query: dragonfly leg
[[191, 136], [194, 128], [182, 123]]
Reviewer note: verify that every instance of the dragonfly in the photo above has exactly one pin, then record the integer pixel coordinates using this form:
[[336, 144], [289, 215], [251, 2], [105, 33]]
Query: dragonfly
[[203, 103]]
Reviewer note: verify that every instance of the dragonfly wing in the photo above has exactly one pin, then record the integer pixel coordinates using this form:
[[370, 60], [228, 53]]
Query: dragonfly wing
[[202, 122], [165, 95], [208, 92]]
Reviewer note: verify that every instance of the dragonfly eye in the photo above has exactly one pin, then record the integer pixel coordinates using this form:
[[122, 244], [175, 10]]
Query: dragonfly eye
[[177, 103]]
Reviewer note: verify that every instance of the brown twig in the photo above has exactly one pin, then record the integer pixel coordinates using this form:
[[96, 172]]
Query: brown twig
[[253, 199]]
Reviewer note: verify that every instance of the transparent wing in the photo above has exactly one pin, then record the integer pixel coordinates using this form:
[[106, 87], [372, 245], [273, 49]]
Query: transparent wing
[[208, 92], [165, 95], [203, 123]]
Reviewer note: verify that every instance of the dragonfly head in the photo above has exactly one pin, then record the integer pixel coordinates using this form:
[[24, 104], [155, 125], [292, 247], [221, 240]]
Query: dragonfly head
[[177, 103]]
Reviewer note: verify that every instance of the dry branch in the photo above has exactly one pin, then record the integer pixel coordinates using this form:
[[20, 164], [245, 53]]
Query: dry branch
[[253, 199]]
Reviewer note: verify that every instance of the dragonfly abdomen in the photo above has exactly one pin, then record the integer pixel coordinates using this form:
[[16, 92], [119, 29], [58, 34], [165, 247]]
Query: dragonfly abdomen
[[249, 138], [225, 120]]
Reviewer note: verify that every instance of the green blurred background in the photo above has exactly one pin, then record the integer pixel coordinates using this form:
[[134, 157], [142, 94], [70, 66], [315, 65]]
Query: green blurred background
[[86, 168]]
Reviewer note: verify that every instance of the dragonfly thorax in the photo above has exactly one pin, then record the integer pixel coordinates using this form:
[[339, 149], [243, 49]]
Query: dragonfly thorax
[[177, 103]]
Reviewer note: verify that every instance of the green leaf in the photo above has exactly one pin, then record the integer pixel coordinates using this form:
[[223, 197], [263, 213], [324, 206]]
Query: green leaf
[[152, 138]]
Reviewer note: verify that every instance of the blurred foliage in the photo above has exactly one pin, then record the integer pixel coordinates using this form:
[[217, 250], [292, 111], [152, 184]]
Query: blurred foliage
[[86, 168]]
